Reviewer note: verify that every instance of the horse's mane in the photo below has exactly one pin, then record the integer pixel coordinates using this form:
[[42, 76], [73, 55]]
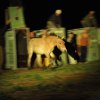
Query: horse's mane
[[52, 34]]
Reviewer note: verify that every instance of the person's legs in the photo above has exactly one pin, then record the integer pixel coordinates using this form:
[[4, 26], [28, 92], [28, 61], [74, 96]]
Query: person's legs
[[83, 53]]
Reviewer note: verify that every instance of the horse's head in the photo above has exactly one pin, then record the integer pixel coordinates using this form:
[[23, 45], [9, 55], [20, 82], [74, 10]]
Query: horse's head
[[61, 44], [54, 40]]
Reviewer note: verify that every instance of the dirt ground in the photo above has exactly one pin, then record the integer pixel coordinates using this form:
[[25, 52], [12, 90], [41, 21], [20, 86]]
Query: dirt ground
[[80, 82]]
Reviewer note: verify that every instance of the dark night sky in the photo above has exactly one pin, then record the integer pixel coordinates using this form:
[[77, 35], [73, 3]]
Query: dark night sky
[[37, 11]]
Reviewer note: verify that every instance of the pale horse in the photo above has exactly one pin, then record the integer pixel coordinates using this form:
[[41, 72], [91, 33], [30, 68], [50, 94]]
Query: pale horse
[[44, 46]]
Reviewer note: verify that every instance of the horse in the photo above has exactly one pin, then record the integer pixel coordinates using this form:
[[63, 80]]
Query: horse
[[44, 46]]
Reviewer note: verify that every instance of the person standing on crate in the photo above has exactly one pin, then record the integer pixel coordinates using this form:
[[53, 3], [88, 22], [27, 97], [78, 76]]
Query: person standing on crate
[[55, 20], [2, 43], [89, 20]]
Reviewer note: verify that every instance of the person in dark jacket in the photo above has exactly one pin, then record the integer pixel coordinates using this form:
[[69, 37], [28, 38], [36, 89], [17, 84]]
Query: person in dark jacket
[[71, 46], [55, 20], [89, 20]]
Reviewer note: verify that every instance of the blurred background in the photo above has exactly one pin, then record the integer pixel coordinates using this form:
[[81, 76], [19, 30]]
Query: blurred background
[[36, 12]]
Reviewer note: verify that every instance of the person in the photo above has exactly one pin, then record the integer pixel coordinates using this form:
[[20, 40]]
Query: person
[[71, 45], [89, 20], [32, 34], [2, 43], [55, 20], [44, 33], [83, 43]]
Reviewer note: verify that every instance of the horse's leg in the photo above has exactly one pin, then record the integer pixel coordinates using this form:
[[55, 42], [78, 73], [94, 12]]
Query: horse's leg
[[52, 55], [47, 61], [53, 59], [39, 60], [29, 59]]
